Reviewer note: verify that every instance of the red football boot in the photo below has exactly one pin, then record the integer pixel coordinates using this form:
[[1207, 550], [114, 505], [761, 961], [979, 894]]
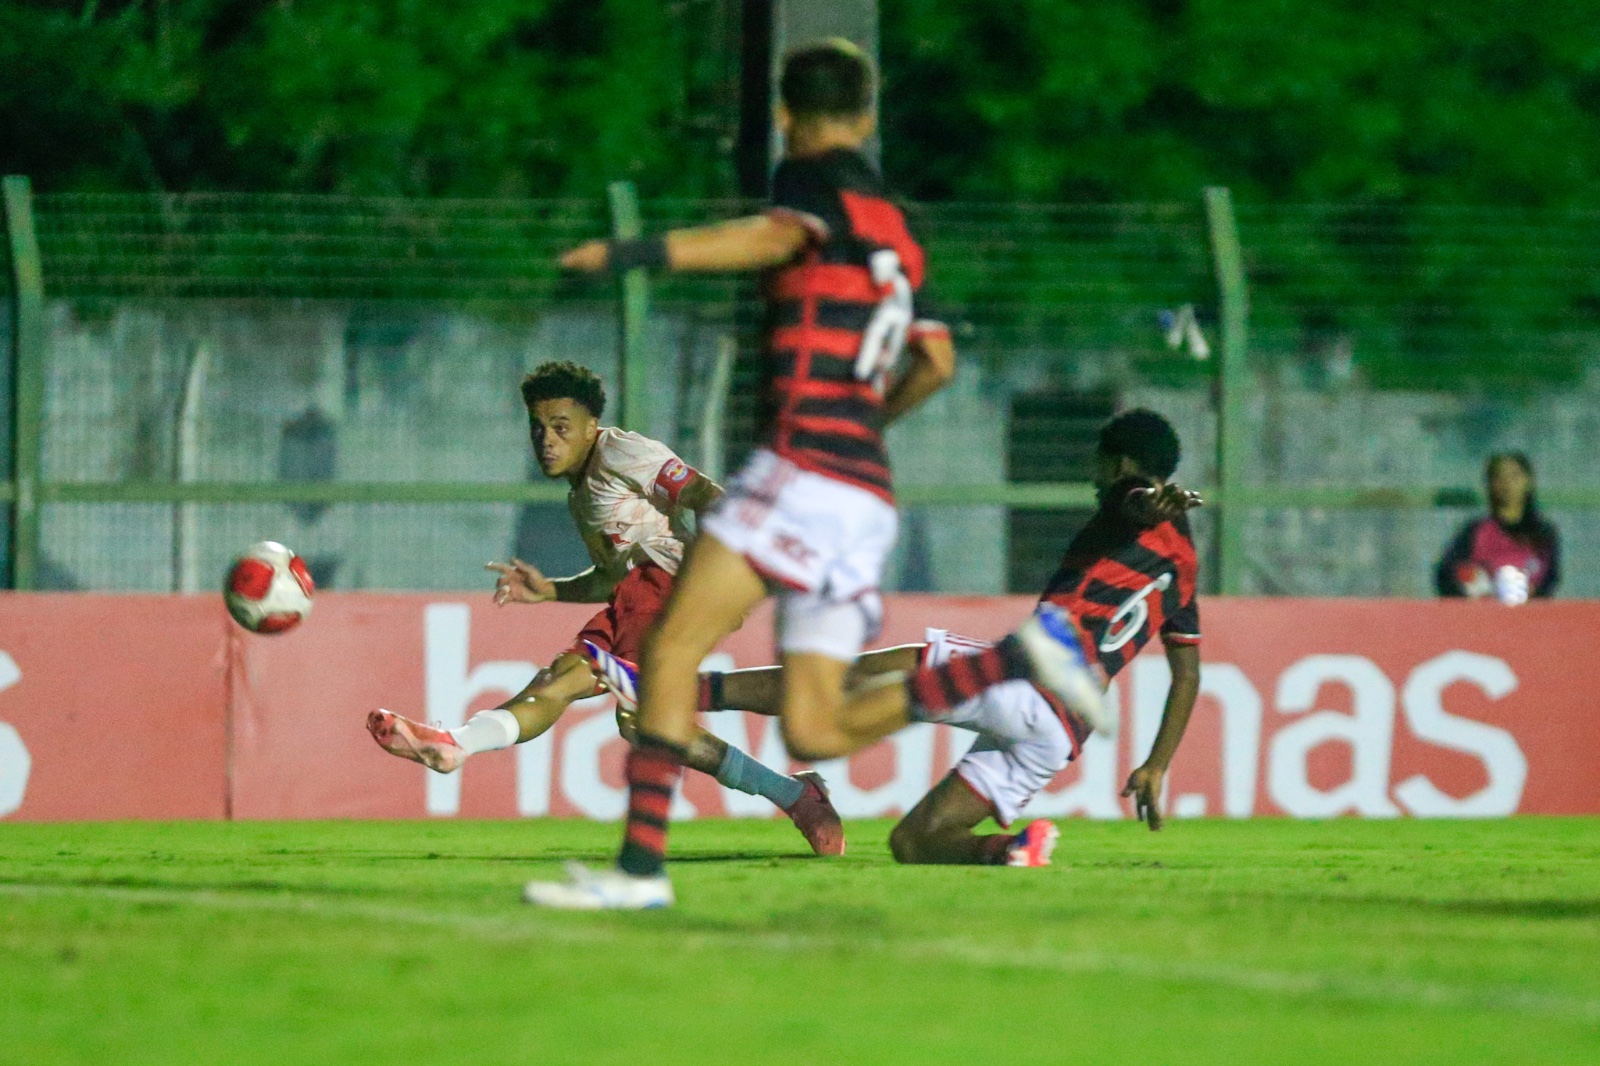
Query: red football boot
[[1034, 844], [814, 816], [433, 748]]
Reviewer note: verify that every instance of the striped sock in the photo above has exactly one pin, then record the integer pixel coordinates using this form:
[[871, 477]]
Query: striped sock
[[653, 769], [711, 691], [937, 690]]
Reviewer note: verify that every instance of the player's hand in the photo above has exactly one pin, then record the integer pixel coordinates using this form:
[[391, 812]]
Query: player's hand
[[1144, 785], [591, 257], [1151, 506], [521, 582]]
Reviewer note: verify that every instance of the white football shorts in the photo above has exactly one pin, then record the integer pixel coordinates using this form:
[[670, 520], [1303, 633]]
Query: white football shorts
[[822, 542], [1021, 744]]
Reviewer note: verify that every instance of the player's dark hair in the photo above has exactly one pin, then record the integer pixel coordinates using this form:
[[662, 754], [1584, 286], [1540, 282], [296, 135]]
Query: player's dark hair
[[1144, 437], [827, 79], [1533, 529], [565, 381]]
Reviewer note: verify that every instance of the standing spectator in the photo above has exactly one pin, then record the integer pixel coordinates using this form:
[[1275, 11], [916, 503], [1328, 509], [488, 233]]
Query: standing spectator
[[1512, 553]]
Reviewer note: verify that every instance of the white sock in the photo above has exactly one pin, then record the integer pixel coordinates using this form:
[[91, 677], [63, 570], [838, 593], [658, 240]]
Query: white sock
[[487, 731]]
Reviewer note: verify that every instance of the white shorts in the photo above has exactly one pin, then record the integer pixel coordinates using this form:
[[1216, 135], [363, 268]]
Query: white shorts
[[1021, 745], [823, 542]]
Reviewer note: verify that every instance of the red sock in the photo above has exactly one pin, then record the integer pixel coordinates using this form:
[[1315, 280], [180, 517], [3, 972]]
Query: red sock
[[937, 690], [653, 769]]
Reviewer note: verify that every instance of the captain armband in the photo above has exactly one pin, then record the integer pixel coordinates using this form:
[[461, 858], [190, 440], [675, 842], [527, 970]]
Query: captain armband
[[674, 476]]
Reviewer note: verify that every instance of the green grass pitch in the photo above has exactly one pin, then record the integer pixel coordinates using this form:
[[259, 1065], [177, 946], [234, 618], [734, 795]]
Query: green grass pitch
[[1211, 942]]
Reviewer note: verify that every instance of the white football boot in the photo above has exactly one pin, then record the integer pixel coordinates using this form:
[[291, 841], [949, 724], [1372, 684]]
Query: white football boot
[[607, 889], [1050, 640]]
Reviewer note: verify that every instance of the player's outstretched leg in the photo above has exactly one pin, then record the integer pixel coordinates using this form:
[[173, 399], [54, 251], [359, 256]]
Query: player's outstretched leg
[[521, 718], [939, 830], [1046, 649], [803, 796]]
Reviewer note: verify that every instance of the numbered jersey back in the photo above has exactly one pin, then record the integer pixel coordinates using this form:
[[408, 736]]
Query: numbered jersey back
[[838, 318]]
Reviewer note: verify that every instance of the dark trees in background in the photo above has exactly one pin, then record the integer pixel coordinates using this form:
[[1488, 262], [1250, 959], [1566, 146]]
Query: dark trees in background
[[1410, 101]]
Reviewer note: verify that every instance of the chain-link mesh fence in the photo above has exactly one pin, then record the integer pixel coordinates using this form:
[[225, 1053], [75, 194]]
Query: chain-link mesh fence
[[261, 340]]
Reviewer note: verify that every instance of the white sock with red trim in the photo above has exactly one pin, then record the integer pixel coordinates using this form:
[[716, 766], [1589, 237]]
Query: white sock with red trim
[[488, 731]]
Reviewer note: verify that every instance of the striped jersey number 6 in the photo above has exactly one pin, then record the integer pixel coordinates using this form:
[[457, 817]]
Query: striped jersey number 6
[[885, 334]]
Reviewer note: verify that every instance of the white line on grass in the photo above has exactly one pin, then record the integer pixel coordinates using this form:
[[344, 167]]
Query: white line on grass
[[546, 927]]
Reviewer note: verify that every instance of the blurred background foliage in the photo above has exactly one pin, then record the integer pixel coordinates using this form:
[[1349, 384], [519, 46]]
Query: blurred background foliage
[[1455, 147], [1409, 101]]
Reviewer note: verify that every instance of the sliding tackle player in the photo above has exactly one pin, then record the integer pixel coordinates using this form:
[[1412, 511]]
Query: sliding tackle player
[[1129, 575]]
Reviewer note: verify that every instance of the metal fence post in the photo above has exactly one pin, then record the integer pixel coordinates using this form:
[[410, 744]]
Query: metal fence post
[[1232, 381], [28, 338], [633, 353]]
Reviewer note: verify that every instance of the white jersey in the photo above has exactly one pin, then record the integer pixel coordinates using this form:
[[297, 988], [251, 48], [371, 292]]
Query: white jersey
[[627, 500]]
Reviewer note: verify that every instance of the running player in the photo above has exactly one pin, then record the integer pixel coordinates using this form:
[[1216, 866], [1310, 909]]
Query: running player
[[1128, 575], [628, 498], [812, 514]]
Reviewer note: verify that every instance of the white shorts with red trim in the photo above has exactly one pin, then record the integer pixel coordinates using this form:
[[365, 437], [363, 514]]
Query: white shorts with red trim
[[822, 542], [1021, 744]]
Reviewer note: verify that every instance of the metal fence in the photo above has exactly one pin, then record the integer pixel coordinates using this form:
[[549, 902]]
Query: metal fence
[[192, 373]]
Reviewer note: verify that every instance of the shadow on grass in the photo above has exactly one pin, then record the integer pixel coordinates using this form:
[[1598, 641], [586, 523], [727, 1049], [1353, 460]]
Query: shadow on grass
[[174, 885], [1549, 909], [1538, 909]]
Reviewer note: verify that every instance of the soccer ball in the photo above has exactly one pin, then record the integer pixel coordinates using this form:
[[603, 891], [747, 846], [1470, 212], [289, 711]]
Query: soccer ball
[[269, 588]]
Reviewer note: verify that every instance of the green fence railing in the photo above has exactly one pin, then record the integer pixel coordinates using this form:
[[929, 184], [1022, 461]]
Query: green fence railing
[[1286, 309]]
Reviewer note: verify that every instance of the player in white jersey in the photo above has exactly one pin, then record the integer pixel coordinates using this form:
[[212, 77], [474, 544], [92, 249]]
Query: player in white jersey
[[629, 499]]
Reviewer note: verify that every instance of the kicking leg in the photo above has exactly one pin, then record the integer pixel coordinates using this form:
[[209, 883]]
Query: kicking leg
[[521, 718], [759, 689]]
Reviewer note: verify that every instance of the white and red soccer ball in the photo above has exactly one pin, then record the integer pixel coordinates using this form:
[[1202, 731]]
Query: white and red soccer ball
[[269, 588]]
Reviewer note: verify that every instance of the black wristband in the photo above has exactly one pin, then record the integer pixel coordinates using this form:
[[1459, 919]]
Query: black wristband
[[714, 690], [649, 253]]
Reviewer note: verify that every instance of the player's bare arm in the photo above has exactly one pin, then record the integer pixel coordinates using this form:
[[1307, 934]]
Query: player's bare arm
[[521, 582], [1144, 784], [700, 494], [932, 366], [755, 242]]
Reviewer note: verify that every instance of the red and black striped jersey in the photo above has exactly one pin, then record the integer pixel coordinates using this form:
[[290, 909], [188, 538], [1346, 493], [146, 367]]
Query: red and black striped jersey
[[838, 318], [1124, 583]]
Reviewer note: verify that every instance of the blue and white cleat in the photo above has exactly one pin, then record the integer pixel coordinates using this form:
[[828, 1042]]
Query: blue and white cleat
[[600, 890], [1050, 640], [620, 676]]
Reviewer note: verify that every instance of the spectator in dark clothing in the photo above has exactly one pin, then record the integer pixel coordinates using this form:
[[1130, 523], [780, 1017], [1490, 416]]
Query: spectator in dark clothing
[[1514, 552]]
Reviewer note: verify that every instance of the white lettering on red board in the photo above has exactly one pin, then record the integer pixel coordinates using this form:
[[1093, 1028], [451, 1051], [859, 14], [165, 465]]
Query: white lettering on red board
[[15, 762], [453, 686]]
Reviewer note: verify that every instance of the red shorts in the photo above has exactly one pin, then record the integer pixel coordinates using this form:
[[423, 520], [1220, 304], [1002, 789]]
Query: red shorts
[[635, 605]]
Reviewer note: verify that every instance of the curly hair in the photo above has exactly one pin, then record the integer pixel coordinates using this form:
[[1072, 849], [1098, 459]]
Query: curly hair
[[1146, 438], [565, 381]]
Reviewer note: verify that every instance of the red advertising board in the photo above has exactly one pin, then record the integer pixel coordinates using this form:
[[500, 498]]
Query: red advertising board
[[158, 707]]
